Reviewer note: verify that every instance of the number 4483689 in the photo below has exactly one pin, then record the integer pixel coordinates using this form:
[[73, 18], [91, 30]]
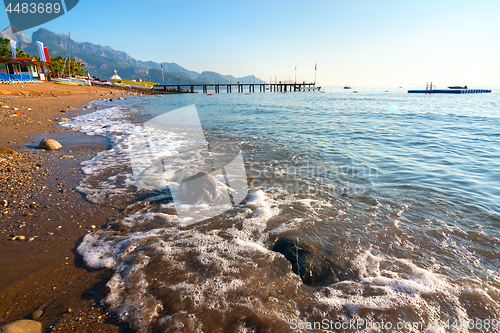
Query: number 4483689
[[33, 8]]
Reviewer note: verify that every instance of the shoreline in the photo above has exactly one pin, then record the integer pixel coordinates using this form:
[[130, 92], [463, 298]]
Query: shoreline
[[42, 270]]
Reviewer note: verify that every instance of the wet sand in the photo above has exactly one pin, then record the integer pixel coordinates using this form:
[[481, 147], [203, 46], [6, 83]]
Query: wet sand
[[43, 218]]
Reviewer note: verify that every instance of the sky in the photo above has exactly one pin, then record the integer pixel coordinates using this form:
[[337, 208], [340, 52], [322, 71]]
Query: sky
[[356, 43]]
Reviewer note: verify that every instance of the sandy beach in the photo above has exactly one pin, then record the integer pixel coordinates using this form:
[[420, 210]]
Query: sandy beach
[[43, 217]]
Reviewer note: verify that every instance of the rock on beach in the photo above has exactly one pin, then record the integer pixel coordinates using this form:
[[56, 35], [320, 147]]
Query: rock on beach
[[49, 144], [22, 326], [7, 151]]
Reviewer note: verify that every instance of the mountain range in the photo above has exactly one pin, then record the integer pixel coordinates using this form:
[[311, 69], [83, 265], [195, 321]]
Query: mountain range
[[102, 61]]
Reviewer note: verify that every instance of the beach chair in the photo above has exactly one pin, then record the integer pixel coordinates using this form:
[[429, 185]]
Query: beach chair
[[27, 78], [6, 78], [17, 78]]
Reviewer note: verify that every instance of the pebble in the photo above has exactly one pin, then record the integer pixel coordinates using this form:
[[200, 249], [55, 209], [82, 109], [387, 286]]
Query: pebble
[[66, 156], [18, 113], [4, 106], [15, 109], [21, 238], [49, 144], [29, 109], [22, 326], [7, 151], [36, 315], [31, 239], [64, 119]]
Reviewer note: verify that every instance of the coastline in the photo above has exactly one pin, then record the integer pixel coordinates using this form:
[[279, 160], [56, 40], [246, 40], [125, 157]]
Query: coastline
[[42, 270]]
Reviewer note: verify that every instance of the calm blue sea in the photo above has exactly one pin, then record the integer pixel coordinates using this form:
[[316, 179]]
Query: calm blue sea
[[400, 190]]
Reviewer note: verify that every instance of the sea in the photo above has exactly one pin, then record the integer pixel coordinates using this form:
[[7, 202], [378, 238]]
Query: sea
[[400, 191]]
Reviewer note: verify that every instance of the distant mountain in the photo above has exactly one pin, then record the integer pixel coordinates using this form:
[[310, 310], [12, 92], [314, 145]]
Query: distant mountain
[[213, 77], [18, 37], [172, 67], [101, 61]]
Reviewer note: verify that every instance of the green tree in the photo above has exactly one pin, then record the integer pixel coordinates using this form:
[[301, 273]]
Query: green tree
[[5, 50], [5, 47]]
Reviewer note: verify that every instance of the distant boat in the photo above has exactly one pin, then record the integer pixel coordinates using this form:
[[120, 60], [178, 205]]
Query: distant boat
[[347, 87], [458, 87]]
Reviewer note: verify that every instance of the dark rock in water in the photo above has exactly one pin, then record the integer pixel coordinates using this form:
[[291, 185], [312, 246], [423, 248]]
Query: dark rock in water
[[312, 264]]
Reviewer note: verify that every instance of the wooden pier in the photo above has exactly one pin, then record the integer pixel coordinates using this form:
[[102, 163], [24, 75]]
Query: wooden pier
[[239, 87]]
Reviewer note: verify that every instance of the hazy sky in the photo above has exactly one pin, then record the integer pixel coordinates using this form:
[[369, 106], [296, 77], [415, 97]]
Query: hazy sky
[[358, 43]]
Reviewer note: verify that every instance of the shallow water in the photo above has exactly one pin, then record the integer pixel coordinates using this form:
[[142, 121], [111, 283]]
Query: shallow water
[[399, 189]]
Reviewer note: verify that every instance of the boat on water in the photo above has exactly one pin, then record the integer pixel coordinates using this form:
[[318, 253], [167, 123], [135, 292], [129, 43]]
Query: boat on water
[[457, 87], [118, 81], [347, 87]]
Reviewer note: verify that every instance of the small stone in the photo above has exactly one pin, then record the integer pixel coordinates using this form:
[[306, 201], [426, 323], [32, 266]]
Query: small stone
[[29, 109], [93, 226], [15, 109], [5, 203], [31, 239], [49, 144], [87, 107], [69, 310], [63, 111], [7, 151], [36, 315], [98, 108], [13, 238], [67, 156], [64, 119], [21, 238], [4, 106], [22, 326], [18, 113]]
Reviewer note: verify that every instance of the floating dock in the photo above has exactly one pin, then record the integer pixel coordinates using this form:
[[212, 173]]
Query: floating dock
[[450, 91]]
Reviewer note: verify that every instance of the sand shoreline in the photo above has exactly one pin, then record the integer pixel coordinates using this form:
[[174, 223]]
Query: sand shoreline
[[43, 271]]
